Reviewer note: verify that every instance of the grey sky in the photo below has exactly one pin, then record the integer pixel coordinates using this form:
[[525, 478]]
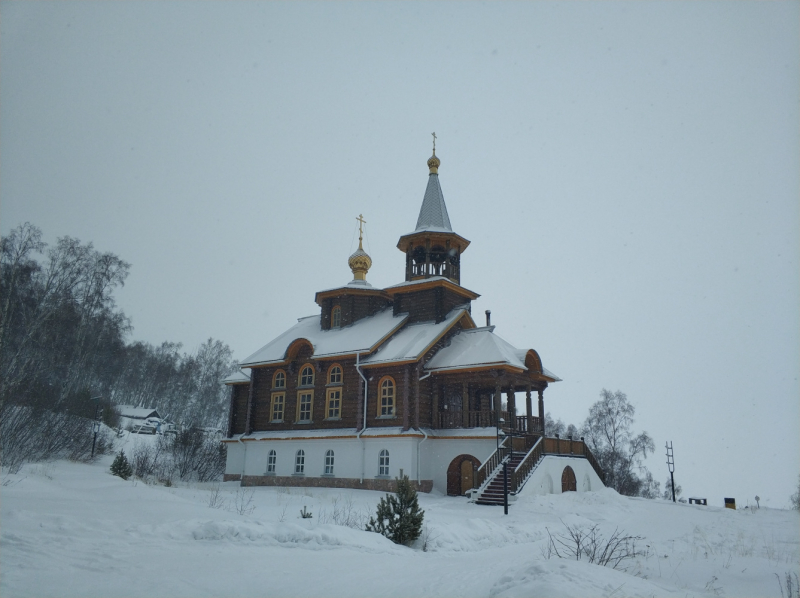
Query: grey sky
[[627, 174]]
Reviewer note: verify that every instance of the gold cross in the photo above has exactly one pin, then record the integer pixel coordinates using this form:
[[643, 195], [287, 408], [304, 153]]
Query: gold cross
[[361, 222], [434, 142]]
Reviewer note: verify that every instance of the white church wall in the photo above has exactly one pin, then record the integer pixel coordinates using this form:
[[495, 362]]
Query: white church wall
[[438, 453], [546, 479]]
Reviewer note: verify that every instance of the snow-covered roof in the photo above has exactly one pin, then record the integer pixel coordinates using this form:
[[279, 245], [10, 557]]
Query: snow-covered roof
[[353, 284], [433, 279], [433, 212], [236, 378], [363, 336], [411, 343], [136, 412], [476, 347], [409, 283]]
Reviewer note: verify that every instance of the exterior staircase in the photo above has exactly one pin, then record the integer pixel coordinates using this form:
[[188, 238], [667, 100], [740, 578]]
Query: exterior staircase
[[491, 492], [521, 464]]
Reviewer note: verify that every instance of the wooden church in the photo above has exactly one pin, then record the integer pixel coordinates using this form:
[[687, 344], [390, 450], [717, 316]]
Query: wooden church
[[400, 379]]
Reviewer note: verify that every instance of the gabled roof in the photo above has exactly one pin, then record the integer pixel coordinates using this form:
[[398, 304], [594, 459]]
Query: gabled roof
[[478, 348], [362, 336], [238, 377], [414, 340], [136, 412], [433, 213]]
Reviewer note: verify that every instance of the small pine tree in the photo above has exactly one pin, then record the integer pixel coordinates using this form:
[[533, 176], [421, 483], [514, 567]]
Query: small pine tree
[[399, 517], [120, 467]]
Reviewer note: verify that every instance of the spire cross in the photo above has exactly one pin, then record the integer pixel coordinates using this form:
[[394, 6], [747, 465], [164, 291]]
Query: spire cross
[[434, 142], [361, 222]]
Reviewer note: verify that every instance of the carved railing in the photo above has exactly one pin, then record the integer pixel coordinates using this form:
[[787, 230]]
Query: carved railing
[[522, 424], [475, 419], [487, 467], [520, 474]]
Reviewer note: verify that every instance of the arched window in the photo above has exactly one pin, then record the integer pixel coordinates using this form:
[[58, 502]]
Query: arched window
[[299, 461], [329, 463], [335, 374], [279, 381], [307, 376], [271, 461], [383, 463], [386, 405], [336, 317]]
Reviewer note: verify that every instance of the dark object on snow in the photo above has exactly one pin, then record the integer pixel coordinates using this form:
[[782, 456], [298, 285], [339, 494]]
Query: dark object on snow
[[120, 467], [730, 503], [399, 517], [699, 501]]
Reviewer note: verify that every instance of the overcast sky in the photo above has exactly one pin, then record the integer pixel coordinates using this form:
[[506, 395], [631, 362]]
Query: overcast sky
[[627, 174]]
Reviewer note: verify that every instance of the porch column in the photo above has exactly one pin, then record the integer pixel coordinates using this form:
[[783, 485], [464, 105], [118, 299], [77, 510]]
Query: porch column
[[541, 410], [406, 383], [498, 404], [529, 407], [512, 408], [464, 405]]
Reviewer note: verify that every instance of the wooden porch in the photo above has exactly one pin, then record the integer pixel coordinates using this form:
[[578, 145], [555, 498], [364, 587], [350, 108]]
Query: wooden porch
[[487, 419]]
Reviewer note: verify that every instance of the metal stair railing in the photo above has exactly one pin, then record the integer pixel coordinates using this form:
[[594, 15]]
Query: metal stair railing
[[485, 472], [520, 474]]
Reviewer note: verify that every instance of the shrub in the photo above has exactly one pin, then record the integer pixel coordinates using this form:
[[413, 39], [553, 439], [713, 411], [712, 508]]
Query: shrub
[[399, 517], [120, 467]]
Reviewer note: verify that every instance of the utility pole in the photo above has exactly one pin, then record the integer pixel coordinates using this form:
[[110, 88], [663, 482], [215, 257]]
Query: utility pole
[[671, 466]]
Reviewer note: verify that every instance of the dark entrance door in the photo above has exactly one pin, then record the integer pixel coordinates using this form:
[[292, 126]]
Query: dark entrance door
[[467, 475], [568, 483]]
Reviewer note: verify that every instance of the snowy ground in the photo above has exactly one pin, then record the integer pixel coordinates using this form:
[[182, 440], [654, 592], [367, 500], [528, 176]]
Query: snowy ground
[[68, 529]]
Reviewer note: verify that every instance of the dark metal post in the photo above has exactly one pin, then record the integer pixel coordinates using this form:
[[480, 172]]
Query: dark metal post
[[671, 466], [505, 487], [96, 425]]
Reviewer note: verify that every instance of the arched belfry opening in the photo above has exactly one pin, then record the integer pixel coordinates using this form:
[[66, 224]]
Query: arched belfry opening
[[433, 249]]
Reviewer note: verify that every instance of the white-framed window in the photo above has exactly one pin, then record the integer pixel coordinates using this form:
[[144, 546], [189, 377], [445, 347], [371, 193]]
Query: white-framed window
[[329, 462], [307, 376], [300, 461], [383, 463], [272, 459]]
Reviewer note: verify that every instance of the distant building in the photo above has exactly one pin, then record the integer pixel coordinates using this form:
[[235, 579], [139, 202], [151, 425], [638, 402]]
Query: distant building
[[136, 413], [399, 379]]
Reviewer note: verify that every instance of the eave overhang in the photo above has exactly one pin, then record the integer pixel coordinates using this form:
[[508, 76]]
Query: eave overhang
[[350, 290], [419, 237], [429, 283]]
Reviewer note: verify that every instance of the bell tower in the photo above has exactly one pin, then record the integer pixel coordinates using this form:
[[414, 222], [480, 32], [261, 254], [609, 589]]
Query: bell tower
[[433, 249]]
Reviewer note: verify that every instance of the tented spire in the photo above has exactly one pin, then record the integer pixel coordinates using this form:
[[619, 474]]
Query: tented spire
[[433, 213]]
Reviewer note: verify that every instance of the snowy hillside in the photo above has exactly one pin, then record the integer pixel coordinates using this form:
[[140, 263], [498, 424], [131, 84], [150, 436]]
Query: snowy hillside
[[75, 530]]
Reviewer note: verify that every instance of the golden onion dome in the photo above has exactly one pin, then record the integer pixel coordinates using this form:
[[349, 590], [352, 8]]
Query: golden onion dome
[[360, 263], [433, 163]]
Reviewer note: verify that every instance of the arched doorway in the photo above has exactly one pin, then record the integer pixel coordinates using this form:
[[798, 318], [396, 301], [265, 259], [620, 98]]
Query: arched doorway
[[568, 481], [460, 474]]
